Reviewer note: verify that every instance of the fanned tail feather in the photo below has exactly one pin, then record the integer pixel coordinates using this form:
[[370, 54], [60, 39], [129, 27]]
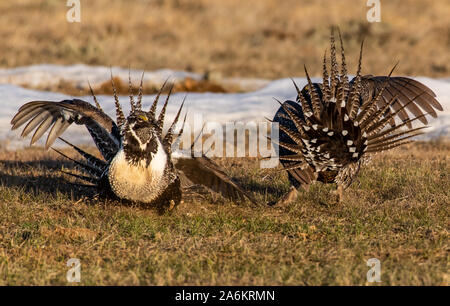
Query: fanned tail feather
[[333, 129]]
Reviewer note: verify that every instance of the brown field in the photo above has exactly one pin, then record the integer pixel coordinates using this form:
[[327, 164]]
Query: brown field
[[252, 38], [396, 211]]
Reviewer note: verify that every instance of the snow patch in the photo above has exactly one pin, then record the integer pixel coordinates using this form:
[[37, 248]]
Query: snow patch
[[216, 107], [42, 75]]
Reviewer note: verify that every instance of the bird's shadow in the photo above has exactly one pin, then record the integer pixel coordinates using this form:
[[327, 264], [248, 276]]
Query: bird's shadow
[[52, 183], [49, 180], [267, 193], [43, 177]]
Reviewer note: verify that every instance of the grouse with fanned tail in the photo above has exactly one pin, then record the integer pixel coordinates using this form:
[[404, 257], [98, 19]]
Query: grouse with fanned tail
[[334, 127], [137, 162]]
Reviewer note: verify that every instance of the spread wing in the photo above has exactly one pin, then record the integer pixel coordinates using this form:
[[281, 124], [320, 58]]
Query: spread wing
[[58, 116], [420, 98], [203, 171]]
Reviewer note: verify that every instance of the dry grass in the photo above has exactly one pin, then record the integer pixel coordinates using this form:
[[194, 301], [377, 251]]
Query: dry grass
[[253, 38], [122, 88], [397, 211]]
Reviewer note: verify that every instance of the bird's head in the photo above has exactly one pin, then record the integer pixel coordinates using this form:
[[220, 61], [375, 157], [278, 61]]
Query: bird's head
[[140, 137], [141, 131]]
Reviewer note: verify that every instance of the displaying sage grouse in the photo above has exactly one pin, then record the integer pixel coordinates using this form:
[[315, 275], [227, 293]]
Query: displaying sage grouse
[[334, 127], [137, 162]]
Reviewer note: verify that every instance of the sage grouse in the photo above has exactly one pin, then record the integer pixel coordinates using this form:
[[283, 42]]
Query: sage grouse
[[333, 128], [137, 162]]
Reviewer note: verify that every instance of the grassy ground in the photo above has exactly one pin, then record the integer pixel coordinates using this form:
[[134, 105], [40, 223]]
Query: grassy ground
[[397, 211], [252, 38]]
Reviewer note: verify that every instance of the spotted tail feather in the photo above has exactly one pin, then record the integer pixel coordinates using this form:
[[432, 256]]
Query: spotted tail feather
[[333, 128]]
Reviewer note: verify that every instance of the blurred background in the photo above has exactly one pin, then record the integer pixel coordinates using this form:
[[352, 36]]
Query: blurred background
[[227, 38]]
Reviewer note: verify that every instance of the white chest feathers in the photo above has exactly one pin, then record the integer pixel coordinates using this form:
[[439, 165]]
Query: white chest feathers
[[140, 183]]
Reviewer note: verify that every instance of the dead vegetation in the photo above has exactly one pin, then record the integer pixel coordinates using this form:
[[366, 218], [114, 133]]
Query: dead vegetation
[[149, 88], [254, 38], [396, 211]]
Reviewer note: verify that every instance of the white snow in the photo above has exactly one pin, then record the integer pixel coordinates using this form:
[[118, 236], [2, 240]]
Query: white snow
[[216, 107], [78, 75]]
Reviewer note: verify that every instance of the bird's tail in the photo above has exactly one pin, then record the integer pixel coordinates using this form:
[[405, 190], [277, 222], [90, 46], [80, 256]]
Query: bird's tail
[[328, 127]]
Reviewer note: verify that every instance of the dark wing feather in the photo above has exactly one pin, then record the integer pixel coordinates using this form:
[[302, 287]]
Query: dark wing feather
[[301, 176], [203, 171], [405, 89], [57, 116]]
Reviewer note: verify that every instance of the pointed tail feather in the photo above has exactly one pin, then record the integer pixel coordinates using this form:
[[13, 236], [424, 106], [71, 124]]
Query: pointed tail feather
[[91, 159], [139, 101], [152, 110], [120, 117]]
